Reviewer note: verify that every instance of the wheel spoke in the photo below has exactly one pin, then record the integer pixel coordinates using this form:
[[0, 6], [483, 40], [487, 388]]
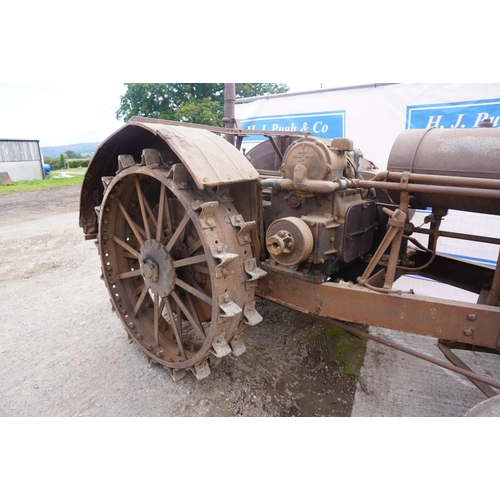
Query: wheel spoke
[[128, 274], [178, 232], [150, 212], [168, 214], [161, 210], [140, 300], [201, 269], [135, 229], [143, 209], [120, 242], [193, 310], [178, 317], [194, 291], [188, 315], [190, 260], [174, 326], [156, 318], [130, 256], [194, 247]]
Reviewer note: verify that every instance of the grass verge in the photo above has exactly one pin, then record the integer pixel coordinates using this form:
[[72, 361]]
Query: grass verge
[[53, 182]]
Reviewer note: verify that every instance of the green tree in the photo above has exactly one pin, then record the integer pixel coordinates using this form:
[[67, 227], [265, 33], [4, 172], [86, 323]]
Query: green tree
[[62, 160], [72, 154], [201, 103], [204, 111]]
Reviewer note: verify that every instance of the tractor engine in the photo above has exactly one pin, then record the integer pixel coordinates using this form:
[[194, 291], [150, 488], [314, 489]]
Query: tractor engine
[[315, 222]]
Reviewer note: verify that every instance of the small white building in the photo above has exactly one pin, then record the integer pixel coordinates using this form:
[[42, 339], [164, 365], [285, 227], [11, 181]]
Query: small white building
[[21, 159]]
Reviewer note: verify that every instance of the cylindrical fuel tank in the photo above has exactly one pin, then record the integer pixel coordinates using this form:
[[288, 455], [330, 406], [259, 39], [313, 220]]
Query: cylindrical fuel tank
[[453, 153]]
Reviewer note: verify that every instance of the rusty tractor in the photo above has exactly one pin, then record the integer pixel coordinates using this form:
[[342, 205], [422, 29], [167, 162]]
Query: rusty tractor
[[190, 231]]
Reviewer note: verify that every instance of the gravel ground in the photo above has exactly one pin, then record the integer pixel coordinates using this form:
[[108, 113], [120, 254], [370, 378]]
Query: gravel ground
[[65, 353]]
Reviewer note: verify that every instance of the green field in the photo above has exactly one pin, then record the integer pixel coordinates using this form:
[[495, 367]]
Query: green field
[[53, 182]]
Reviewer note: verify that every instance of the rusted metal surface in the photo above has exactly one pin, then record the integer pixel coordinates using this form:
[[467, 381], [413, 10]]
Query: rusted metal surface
[[209, 159], [458, 273], [220, 130], [263, 156], [472, 153], [438, 180], [396, 222], [458, 236], [289, 241], [405, 312], [494, 295], [453, 358]]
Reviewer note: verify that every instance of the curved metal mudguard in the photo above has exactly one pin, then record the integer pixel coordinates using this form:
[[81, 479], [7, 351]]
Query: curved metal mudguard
[[209, 158]]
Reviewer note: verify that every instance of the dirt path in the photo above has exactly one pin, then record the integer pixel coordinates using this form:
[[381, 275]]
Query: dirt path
[[65, 353]]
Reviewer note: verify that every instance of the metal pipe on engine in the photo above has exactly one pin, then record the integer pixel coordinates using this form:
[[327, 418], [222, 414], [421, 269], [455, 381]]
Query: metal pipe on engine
[[441, 180], [302, 184], [423, 188]]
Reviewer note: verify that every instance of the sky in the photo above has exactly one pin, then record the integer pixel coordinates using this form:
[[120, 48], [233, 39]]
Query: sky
[[350, 42], [60, 114]]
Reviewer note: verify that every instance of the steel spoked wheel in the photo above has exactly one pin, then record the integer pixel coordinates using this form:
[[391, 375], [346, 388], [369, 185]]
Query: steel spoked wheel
[[174, 268]]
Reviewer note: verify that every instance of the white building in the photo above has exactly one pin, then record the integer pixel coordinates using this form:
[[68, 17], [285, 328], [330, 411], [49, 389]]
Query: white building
[[21, 159]]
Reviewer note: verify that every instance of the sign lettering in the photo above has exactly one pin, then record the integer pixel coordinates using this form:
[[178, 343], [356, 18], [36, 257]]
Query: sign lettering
[[329, 125], [458, 115]]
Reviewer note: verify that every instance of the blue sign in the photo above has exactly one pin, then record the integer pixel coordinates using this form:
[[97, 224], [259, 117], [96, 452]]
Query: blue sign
[[328, 124], [454, 115]]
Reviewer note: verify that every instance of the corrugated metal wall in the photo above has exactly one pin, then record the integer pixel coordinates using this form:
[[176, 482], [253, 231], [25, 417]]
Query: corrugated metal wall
[[21, 159], [12, 150]]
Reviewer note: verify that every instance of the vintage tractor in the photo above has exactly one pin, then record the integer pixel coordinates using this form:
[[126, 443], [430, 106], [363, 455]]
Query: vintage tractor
[[190, 230]]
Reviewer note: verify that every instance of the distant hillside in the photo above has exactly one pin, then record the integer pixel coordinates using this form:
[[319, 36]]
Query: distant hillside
[[84, 148]]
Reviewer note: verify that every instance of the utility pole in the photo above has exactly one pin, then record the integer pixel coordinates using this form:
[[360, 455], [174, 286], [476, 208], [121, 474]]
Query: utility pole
[[229, 109]]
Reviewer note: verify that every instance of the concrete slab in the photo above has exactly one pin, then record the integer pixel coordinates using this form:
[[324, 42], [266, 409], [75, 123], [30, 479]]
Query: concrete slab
[[395, 384], [5, 179], [488, 408]]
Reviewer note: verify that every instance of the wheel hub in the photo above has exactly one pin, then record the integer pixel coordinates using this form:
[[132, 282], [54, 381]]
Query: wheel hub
[[149, 270], [157, 268]]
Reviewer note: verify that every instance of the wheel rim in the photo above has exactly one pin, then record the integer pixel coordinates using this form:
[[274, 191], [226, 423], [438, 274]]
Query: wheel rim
[[174, 267]]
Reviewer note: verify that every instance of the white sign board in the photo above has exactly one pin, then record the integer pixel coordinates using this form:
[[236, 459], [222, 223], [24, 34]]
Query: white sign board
[[373, 115]]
